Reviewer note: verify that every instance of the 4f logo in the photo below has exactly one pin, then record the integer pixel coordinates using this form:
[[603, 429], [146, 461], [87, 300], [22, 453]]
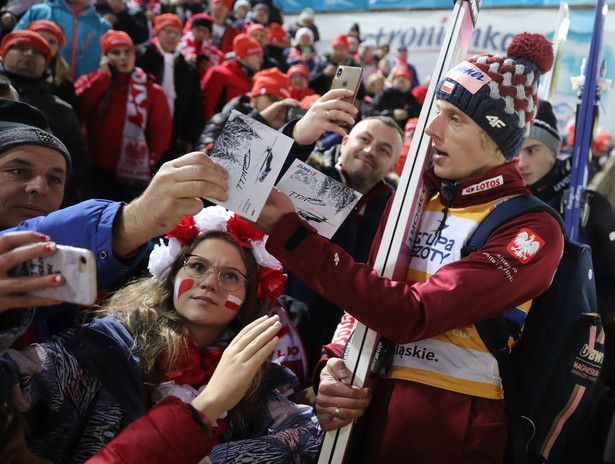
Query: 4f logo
[[496, 122]]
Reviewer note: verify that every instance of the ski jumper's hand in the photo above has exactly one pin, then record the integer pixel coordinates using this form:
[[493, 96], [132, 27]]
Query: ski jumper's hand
[[337, 403], [15, 248], [174, 193], [240, 362], [323, 116], [276, 206]]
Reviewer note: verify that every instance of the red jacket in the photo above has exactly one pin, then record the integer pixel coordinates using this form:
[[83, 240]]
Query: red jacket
[[223, 83], [104, 117], [457, 428], [168, 433]]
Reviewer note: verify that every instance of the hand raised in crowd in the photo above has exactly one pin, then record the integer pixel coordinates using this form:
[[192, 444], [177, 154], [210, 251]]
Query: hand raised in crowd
[[275, 114], [105, 65], [239, 364], [16, 248], [337, 403], [174, 193], [325, 115]]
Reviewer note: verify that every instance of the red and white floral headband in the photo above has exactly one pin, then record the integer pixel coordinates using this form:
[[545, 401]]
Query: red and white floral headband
[[217, 218]]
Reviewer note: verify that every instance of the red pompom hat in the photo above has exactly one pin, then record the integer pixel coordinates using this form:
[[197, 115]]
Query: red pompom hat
[[501, 93], [340, 41]]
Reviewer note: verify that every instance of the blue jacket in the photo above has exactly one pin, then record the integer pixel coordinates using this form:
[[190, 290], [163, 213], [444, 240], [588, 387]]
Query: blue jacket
[[82, 32], [85, 225]]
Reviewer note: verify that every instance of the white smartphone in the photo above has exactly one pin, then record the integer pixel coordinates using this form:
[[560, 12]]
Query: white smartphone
[[77, 265]]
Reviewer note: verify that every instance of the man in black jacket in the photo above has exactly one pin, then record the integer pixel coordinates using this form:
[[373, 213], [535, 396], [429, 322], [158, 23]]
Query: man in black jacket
[[179, 80]]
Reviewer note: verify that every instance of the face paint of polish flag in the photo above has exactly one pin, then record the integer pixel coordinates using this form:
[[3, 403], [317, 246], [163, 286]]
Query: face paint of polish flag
[[233, 303], [182, 286]]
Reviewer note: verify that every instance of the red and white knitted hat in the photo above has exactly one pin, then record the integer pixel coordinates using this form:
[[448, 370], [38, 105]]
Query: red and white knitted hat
[[501, 93]]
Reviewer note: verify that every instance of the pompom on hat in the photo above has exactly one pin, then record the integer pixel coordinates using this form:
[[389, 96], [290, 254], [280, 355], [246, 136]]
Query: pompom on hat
[[500, 93]]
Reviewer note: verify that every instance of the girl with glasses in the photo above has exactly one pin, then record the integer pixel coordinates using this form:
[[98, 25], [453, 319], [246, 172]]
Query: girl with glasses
[[177, 362]]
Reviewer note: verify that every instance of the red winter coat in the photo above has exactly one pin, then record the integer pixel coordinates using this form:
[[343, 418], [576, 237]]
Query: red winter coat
[[223, 83], [410, 421], [104, 117]]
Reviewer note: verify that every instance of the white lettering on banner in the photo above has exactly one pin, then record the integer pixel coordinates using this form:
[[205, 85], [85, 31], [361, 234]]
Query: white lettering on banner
[[484, 185], [448, 359]]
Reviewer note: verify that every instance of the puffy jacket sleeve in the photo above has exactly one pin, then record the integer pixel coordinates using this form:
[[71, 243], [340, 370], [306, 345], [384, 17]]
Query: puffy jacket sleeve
[[477, 287], [168, 433], [89, 89], [159, 124]]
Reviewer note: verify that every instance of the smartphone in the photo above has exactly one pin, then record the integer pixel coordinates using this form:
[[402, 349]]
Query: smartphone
[[77, 265], [294, 112], [348, 77]]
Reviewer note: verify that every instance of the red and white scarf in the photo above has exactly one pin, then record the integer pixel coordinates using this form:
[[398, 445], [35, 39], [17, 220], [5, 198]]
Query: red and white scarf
[[133, 165], [168, 76]]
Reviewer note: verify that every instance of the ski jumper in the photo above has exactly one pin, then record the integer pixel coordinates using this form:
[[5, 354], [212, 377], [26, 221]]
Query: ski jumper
[[431, 416]]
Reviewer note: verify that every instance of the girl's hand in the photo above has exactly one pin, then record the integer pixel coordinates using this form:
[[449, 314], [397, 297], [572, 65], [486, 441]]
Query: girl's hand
[[239, 364]]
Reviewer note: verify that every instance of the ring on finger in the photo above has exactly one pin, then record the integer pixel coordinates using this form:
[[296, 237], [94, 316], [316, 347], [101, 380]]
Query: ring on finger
[[329, 117], [337, 412]]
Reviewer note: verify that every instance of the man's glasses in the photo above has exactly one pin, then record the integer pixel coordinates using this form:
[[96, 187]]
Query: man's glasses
[[229, 279]]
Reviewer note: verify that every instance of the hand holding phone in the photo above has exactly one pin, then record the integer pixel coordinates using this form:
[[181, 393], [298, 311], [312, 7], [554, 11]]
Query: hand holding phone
[[348, 77], [77, 266]]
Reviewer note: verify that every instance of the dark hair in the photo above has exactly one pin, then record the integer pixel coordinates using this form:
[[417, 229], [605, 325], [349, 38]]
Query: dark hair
[[389, 121]]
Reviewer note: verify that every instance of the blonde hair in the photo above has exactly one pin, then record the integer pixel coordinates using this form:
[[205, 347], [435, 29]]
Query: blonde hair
[[59, 69], [490, 145]]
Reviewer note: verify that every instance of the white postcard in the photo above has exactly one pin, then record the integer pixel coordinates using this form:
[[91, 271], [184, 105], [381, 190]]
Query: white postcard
[[319, 199], [253, 155]]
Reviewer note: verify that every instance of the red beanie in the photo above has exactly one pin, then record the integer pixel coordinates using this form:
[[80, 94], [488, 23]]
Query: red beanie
[[270, 81], [276, 34], [114, 39], [411, 124], [166, 20], [29, 38], [403, 71], [244, 45], [309, 100], [228, 3], [299, 69], [340, 41], [256, 27], [44, 25]]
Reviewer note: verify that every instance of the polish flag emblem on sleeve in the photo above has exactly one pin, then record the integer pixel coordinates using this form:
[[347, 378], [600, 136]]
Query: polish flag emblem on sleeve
[[525, 245]]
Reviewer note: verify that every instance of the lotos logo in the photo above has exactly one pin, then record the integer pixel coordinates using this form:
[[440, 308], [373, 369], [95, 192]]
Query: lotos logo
[[484, 185]]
